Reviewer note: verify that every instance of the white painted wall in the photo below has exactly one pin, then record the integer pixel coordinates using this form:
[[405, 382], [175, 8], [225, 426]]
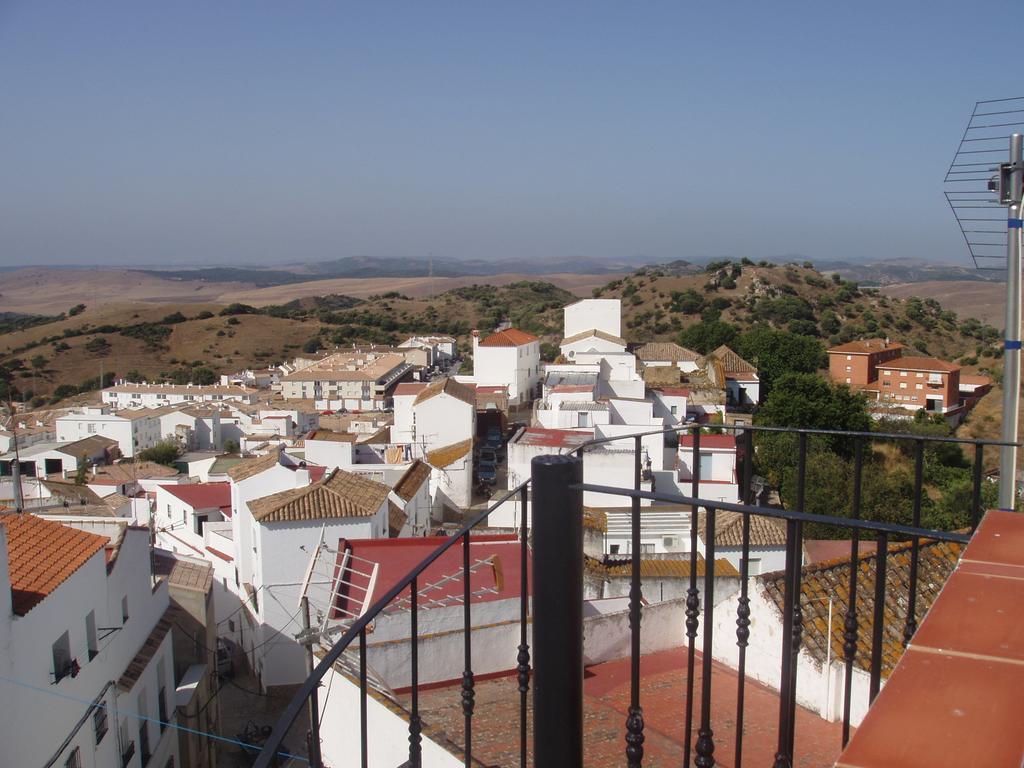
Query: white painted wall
[[442, 420], [517, 368], [329, 453], [598, 314], [132, 435]]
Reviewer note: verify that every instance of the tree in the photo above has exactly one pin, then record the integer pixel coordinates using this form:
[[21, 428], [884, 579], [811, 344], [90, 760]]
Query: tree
[[776, 353], [203, 376], [706, 336], [80, 475], [231, 446], [98, 346], [164, 452], [174, 318], [76, 310], [38, 362], [548, 352]]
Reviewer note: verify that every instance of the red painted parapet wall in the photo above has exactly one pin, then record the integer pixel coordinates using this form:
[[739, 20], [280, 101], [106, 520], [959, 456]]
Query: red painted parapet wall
[[955, 697]]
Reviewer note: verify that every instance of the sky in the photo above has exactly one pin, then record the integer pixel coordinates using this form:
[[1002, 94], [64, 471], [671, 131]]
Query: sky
[[267, 133]]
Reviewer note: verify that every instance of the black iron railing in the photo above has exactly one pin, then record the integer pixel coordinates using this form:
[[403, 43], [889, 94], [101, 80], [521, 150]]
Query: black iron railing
[[557, 502]]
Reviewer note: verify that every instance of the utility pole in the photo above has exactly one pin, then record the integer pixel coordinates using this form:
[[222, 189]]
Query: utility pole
[[1010, 187], [314, 714]]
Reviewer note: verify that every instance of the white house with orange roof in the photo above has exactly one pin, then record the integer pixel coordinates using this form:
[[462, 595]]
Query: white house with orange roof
[[181, 512], [87, 671], [281, 531], [508, 358]]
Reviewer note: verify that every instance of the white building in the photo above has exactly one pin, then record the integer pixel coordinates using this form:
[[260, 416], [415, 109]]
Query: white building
[[59, 459], [656, 354], [717, 465], [181, 512], [283, 530], [508, 358], [85, 635], [440, 349], [444, 413], [593, 315], [356, 381], [766, 551], [134, 430], [128, 395], [593, 342], [742, 385]]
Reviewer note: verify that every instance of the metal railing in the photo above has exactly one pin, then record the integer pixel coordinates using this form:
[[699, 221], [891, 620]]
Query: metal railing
[[557, 501]]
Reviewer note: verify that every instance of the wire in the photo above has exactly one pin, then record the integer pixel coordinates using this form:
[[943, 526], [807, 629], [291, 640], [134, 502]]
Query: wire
[[239, 609], [136, 715]]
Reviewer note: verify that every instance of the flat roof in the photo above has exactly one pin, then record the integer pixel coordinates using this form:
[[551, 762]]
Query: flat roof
[[553, 438]]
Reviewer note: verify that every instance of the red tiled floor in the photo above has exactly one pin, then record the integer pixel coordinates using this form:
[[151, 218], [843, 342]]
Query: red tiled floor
[[940, 711], [663, 697], [978, 614]]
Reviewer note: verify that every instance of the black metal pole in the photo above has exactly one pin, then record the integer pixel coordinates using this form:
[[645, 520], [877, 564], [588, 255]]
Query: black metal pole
[[557, 612]]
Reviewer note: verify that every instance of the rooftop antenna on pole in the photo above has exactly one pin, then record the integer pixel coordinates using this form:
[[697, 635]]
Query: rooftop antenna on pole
[[978, 184]]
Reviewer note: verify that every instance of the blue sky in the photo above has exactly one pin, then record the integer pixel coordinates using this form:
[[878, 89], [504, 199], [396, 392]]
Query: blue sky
[[268, 132]]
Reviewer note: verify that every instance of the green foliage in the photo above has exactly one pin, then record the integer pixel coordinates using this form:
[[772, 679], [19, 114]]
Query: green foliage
[[65, 390], [165, 452], [153, 335], [204, 315], [687, 302], [231, 446], [98, 346], [174, 318], [312, 346], [238, 309], [548, 352], [776, 353], [706, 336], [76, 310]]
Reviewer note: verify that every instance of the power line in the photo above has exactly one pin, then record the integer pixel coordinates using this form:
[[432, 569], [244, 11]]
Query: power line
[[136, 715]]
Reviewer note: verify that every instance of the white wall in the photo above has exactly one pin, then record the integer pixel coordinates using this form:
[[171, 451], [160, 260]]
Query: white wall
[[598, 314], [442, 420], [329, 453]]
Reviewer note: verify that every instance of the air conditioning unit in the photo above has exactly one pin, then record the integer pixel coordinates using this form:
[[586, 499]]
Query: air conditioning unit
[[669, 541]]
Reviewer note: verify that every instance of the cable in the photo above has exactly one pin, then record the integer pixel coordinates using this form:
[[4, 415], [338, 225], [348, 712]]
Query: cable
[[239, 609], [137, 716]]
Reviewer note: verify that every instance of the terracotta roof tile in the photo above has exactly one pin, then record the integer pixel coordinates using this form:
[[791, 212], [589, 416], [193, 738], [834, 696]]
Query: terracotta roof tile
[[510, 337], [183, 574], [675, 567], [665, 350], [330, 436], [412, 480], [253, 466], [42, 555], [595, 333], [463, 392], [865, 346], [341, 494], [764, 531], [731, 362], [138, 665], [449, 454], [913, 363], [830, 580], [127, 472]]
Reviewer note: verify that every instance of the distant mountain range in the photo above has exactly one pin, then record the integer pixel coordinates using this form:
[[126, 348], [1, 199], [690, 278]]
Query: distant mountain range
[[372, 266], [891, 271]]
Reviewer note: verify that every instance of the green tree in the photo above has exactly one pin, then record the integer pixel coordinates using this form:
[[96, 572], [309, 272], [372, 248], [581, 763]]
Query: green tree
[[80, 475], [204, 376], [164, 452], [776, 353], [706, 336]]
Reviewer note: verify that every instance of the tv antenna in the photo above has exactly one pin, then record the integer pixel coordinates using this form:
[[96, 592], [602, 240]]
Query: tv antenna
[[978, 183]]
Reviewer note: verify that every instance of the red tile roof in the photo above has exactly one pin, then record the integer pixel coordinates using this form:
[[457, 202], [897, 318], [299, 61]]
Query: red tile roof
[[866, 346], [724, 442], [396, 557], [42, 555], [919, 364], [203, 495], [510, 337], [410, 388]]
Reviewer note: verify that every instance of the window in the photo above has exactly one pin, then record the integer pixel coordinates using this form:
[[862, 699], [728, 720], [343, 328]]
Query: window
[[887, 373], [74, 759], [582, 419], [62, 657], [91, 429], [124, 609], [161, 703], [90, 635], [848, 380], [849, 357], [144, 753], [849, 368], [647, 549], [920, 375], [919, 386], [99, 722], [903, 373], [753, 566], [127, 745], [903, 385]]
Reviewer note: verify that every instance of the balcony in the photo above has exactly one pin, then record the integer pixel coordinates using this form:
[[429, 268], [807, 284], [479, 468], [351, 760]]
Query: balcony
[[741, 680]]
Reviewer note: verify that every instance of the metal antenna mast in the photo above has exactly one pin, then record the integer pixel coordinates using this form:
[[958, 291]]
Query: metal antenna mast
[[974, 195]]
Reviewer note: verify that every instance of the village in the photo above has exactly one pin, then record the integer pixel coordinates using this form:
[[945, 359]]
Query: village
[[295, 496]]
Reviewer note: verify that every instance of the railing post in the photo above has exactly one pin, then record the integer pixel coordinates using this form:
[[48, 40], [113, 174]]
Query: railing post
[[557, 612]]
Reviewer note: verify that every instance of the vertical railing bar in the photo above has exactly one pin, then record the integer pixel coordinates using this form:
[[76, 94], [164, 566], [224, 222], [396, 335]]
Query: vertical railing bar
[[467, 651], [976, 485], [742, 635], [635, 718], [797, 626], [363, 746], [692, 595], [910, 627], [879, 617], [705, 736], [850, 624], [782, 758], [523, 657], [415, 726]]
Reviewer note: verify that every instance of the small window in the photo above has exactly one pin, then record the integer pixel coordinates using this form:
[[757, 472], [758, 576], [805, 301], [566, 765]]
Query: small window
[[903, 373], [74, 759], [99, 722], [124, 609], [613, 549], [849, 357], [848, 380], [919, 386], [62, 657], [90, 635], [903, 385], [849, 368]]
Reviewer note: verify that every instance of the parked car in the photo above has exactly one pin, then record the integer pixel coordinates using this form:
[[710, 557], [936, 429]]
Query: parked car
[[487, 456], [493, 438], [487, 474]]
